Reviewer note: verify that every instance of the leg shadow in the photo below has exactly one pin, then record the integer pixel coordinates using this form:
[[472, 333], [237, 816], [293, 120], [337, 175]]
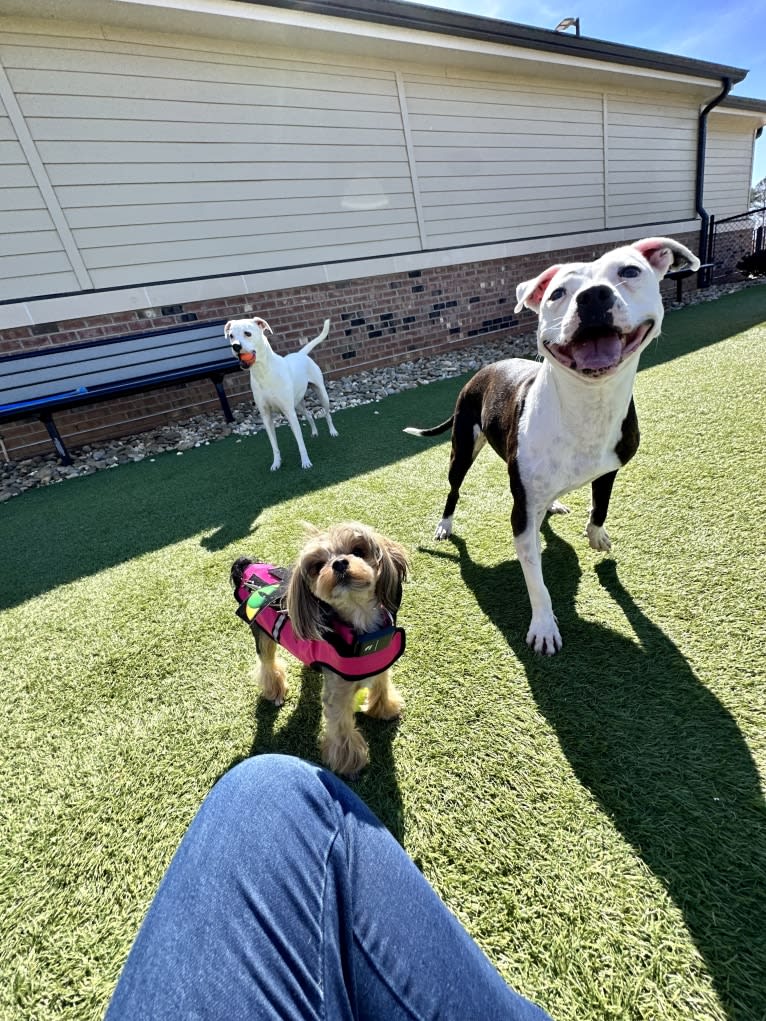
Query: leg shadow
[[663, 757], [376, 785]]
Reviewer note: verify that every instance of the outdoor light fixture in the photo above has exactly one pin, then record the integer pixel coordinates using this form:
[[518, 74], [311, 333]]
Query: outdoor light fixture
[[567, 23]]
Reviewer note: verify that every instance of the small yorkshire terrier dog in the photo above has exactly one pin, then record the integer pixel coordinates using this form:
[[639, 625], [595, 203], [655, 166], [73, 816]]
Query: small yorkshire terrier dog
[[335, 610]]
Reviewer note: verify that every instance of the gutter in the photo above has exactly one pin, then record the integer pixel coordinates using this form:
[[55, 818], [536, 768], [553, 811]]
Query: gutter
[[700, 182]]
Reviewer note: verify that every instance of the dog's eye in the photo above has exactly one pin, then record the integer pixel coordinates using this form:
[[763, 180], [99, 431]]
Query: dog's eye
[[314, 568], [359, 551], [558, 293], [247, 333], [629, 271]]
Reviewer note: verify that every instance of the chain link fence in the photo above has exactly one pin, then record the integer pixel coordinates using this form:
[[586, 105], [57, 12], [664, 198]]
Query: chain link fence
[[731, 239]]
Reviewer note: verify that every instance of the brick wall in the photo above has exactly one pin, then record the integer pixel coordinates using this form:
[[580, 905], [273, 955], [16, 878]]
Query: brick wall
[[376, 321]]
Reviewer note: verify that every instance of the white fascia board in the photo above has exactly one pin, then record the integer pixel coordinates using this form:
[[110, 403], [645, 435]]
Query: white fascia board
[[393, 42]]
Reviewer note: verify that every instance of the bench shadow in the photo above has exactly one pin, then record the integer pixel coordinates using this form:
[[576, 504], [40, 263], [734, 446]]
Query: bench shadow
[[662, 756], [376, 784]]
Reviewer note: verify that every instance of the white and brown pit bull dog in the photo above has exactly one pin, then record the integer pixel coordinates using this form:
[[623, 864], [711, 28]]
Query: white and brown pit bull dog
[[279, 383], [569, 419]]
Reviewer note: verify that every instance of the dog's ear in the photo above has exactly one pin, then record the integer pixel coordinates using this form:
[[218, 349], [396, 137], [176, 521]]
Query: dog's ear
[[237, 570], [531, 292], [665, 254], [263, 325], [227, 327], [303, 607], [394, 568]]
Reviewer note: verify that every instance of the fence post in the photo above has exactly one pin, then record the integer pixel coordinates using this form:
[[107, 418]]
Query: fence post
[[708, 255]]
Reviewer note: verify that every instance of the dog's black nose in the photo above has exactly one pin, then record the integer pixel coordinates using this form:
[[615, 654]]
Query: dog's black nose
[[594, 302], [340, 566], [236, 348]]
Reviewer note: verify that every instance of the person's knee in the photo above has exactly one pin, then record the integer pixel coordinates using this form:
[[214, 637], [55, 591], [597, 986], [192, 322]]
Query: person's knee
[[268, 775]]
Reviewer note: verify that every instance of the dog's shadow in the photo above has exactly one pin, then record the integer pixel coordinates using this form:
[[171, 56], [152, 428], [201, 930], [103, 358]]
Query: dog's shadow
[[299, 735], [662, 756]]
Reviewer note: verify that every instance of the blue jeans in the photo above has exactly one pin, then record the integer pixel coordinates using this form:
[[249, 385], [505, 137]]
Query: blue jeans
[[287, 899]]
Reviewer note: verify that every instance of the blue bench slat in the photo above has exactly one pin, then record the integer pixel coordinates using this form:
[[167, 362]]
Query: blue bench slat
[[63, 376], [40, 382], [136, 360], [82, 395]]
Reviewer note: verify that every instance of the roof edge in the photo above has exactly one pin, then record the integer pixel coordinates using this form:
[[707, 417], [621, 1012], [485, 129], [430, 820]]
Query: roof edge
[[420, 18], [745, 104]]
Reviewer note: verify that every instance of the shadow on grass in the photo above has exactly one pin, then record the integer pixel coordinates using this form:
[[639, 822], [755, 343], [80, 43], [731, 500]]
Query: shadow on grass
[[300, 735], [689, 329], [663, 757], [57, 534]]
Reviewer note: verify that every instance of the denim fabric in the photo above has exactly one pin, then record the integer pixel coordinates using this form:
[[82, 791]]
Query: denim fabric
[[287, 899]]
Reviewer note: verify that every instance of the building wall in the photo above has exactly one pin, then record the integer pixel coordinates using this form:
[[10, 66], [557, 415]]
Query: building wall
[[135, 164], [728, 165], [376, 321], [651, 159], [131, 162]]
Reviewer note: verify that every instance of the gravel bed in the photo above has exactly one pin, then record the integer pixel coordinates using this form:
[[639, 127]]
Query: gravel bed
[[359, 388]]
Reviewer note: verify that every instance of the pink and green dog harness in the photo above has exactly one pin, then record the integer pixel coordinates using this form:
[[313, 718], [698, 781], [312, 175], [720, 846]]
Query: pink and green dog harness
[[352, 656]]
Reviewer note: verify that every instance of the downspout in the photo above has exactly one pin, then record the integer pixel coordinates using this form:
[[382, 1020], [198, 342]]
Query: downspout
[[700, 183]]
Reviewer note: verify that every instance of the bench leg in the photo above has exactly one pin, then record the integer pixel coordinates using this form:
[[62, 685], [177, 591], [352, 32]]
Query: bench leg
[[218, 383], [55, 435]]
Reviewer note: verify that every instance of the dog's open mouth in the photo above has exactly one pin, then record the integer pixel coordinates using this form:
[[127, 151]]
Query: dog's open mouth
[[246, 359], [598, 350]]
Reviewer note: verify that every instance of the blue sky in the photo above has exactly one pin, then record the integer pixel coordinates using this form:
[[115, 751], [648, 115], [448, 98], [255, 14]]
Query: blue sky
[[730, 32]]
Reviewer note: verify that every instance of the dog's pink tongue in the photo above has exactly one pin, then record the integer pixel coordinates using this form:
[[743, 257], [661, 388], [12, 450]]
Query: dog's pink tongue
[[597, 352]]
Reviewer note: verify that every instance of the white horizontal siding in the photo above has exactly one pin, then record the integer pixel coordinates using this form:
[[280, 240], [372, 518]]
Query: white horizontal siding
[[651, 162], [236, 229], [324, 178], [175, 163], [727, 167], [249, 212], [201, 158], [31, 248], [489, 228], [207, 264], [498, 160]]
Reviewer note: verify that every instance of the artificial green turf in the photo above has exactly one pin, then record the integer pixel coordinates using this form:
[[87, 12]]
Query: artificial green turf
[[595, 819]]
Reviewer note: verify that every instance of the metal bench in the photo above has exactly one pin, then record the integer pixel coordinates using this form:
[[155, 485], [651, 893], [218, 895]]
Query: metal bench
[[679, 275], [38, 383]]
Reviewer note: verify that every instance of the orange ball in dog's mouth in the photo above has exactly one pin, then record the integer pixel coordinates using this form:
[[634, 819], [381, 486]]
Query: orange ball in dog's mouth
[[246, 358]]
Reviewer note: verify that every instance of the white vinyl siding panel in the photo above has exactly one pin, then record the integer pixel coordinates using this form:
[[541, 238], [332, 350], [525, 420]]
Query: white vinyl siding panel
[[31, 249], [727, 168], [652, 158], [177, 165], [498, 160]]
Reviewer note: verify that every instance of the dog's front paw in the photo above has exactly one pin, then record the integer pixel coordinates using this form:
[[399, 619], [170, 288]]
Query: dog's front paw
[[598, 537], [276, 463], [333, 430], [272, 680], [443, 529], [305, 463], [346, 754], [544, 635]]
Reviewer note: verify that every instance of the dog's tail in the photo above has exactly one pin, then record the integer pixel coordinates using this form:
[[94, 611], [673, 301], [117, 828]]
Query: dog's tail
[[433, 431], [308, 348]]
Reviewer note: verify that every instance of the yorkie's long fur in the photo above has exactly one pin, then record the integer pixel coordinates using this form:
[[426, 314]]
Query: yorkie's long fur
[[357, 573]]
